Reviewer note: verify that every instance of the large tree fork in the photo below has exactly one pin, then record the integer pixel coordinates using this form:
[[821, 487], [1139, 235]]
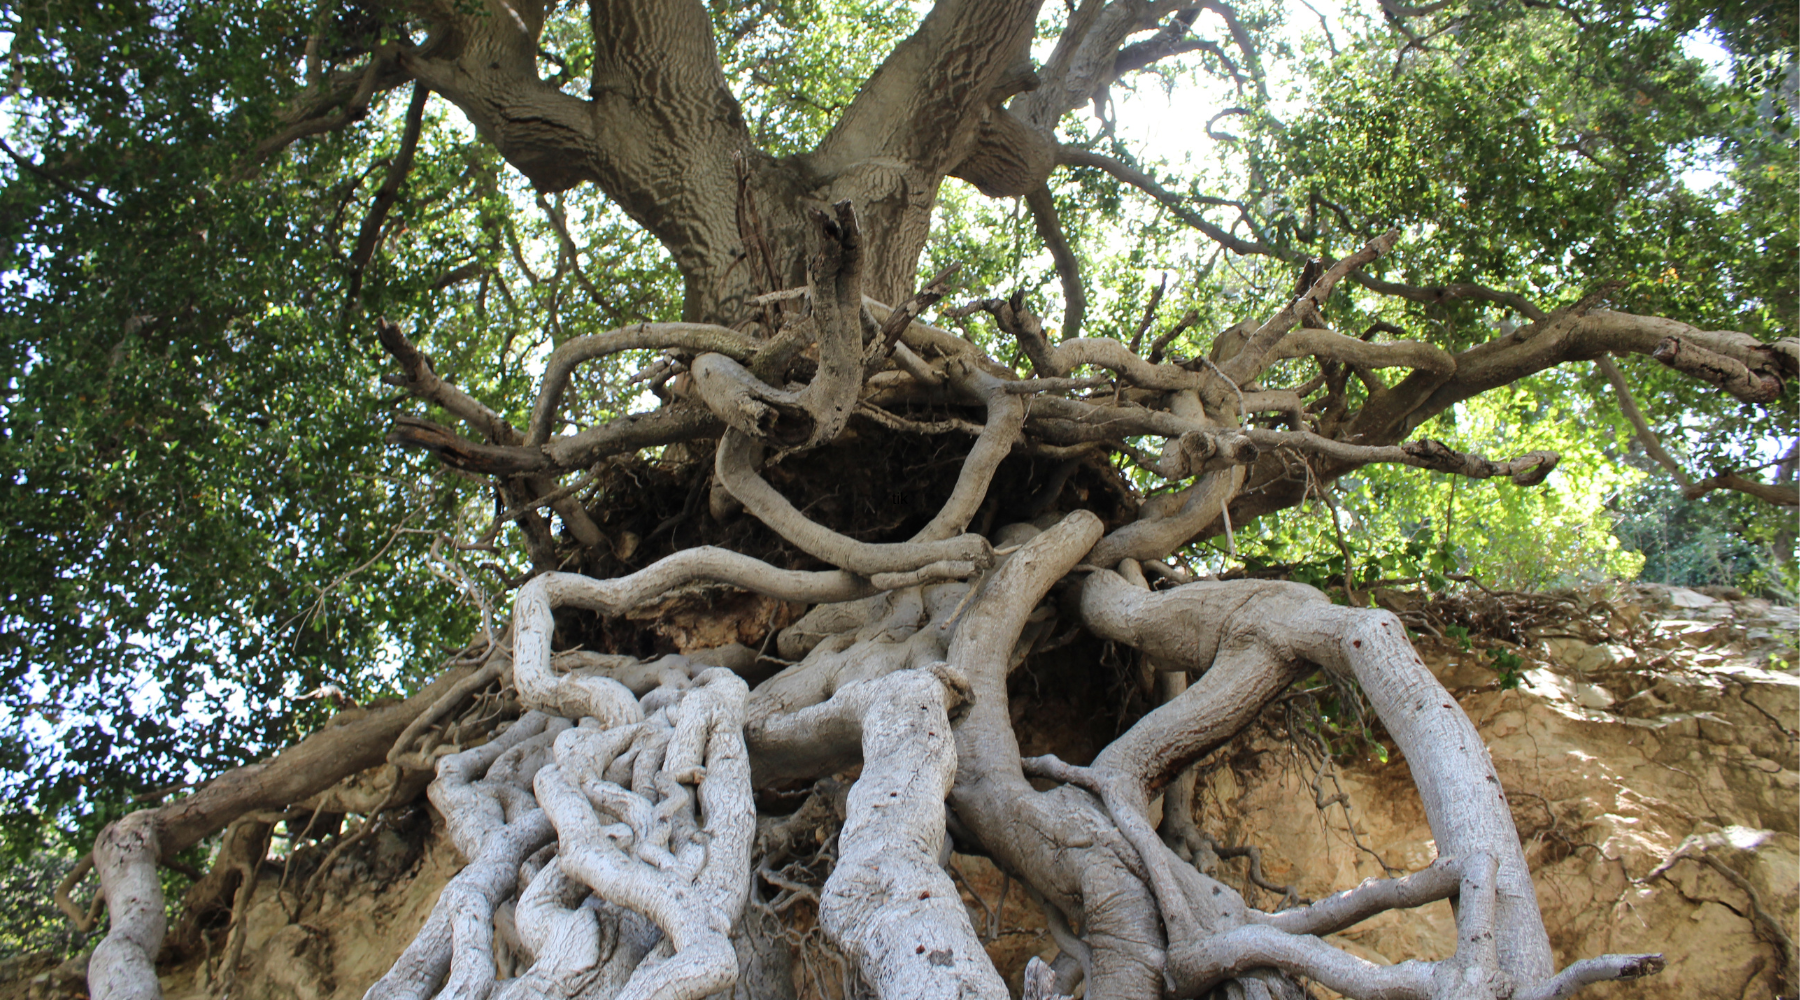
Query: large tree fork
[[661, 135]]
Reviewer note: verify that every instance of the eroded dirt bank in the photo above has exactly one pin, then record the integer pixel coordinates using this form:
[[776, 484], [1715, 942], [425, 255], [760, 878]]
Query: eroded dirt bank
[[1649, 750]]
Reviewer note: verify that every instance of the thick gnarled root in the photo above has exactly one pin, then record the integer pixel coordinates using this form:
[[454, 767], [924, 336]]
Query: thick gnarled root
[[495, 822], [614, 860], [1248, 657], [123, 966], [657, 818], [889, 902]]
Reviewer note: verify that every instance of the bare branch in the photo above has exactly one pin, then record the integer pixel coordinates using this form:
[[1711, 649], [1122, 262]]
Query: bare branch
[[896, 321], [692, 337], [1601, 969], [1528, 469], [736, 396], [1727, 373], [1439, 880], [1253, 357], [1018, 321], [1737, 359], [369, 236], [128, 850], [1068, 269], [1005, 420], [459, 452], [1161, 344], [681, 422]]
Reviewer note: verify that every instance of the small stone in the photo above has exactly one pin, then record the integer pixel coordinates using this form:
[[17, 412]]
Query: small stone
[[1593, 696], [1682, 597]]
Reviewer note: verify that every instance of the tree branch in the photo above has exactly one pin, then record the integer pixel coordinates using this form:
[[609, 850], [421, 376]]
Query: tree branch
[[369, 235], [696, 338], [1645, 435], [921, 105], [1322, 343], [1528, 469], [418, 377], [837, 281], [1458, 290], [1068, 269], [1736, 360], [1778, 494], [1075, 156], [343, 99], [83, 195], [1253, 357]]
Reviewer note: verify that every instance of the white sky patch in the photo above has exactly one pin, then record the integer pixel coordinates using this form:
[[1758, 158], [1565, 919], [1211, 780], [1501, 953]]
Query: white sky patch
[[1706, 46]]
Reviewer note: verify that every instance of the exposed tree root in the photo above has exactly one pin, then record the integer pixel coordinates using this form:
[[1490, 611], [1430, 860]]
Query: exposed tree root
[[127, 852], [609, 818]]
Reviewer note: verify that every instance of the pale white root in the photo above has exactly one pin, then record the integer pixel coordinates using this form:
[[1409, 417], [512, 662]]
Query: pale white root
[[127, 852], [485, 797], [123, 967], [888, 902], [1249, 636], [674, 845], [593, 693], [626, 846], [612, 858]]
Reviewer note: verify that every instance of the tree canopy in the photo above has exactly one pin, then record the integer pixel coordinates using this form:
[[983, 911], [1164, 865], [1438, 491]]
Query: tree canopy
[[216, 537]]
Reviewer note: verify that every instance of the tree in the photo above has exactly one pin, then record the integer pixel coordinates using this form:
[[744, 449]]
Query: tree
[[782, 450]]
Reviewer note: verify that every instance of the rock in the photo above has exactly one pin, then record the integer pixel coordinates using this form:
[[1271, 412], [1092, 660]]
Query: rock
[[1458, 672], [1682, 597], [1584, 658]]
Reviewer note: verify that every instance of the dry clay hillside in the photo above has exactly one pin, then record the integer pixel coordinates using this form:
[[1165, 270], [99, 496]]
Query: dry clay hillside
[[1647, 738]]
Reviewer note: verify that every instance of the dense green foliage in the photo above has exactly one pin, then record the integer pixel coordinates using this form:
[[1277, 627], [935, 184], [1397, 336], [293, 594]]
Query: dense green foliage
[[203, 524], [33, 925]]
